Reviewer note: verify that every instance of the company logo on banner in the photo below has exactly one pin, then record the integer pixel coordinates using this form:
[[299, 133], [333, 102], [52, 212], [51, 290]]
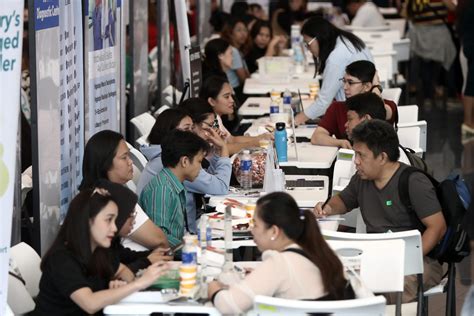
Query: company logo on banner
[[103, 62], [11, 35]]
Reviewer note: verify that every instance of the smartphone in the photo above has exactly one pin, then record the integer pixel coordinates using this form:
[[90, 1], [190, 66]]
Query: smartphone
[[173, 250]]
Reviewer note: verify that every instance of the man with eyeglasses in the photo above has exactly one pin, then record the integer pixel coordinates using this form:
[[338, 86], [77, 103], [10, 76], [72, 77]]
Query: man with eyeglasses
[[360, 77]]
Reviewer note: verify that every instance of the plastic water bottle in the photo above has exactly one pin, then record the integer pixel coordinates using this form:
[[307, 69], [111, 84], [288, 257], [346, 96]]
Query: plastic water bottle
[[295, 35], [274, 106], [287, 102], [189, 254], [246, 170], [299, 60], [204, 233], [281, 143]]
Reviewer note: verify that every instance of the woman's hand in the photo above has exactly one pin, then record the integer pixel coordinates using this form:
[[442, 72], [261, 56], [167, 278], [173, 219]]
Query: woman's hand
[[215, 137], [152, 273], [266, 136], [301, 118], [213, 287], [159, 254]]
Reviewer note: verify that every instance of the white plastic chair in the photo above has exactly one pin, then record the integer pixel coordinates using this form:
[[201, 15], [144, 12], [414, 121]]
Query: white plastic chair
[[137, 157], [413, 135], [381, 262], [382, 28], [139, 163], [265, 305], [378, 36], [413, 264], [397, 25], [18, 298], [28, 262], [392, 94], [407, 113], [144, 123], [344, 169], [142, 141], [8, 311], [386, 60]]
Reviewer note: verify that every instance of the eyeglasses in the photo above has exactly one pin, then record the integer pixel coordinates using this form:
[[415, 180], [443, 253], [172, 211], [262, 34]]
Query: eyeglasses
[[214, 124], [307, 44], [349, 82]]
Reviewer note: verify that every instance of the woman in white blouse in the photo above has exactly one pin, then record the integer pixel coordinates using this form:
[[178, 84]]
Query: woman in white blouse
[[297, 262], [332, 49]]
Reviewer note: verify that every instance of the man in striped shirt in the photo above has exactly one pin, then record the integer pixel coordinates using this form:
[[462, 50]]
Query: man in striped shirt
[[164, 198]]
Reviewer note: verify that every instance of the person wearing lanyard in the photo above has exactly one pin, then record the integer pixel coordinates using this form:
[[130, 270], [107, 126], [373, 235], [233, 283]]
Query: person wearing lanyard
[[164, 198], [333, 49]]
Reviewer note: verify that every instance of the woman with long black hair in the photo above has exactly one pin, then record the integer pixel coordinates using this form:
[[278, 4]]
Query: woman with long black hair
[[80, 273], [297, 261], [333, 49]]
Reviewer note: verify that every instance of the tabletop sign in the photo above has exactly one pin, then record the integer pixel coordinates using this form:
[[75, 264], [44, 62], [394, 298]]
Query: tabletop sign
[[195, 61], [345, 155]]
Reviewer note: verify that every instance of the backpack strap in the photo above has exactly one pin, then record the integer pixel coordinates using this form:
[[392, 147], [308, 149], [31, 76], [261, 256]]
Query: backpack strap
[[404, 190]]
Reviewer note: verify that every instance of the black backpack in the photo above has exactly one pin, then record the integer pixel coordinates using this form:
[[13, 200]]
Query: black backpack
[[454, 197], [416, 161]]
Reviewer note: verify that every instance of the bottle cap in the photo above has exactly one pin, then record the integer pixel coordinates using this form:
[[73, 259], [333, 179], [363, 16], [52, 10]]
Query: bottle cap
[[280, 126]]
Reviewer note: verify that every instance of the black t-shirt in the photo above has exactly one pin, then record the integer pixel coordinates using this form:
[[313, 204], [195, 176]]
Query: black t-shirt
[[252, 56], [63, 274]]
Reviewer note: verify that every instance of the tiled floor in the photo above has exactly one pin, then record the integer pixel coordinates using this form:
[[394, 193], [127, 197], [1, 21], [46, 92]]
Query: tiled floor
[[447, 151]]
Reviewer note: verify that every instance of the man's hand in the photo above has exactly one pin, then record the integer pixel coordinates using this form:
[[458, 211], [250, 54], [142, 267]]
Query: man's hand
[[320, 211], [344, 143]]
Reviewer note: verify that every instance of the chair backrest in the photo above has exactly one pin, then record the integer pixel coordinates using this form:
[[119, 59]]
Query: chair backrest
[[397, 25], [344, 169], [380, 263], [413, 248], [380, 36], [385, 61], [162, 108], [18, 298], [28, 262], [413, 135], [144, 123], [265, 305], [407, 113], [352, 28], [8, 311], [392, 94], [137, 157], [142, 141]]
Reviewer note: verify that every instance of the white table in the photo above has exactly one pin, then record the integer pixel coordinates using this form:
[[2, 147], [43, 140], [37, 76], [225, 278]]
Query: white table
[[258, 127], [147, 309], [255, 85], [263, 107], [310, 156]]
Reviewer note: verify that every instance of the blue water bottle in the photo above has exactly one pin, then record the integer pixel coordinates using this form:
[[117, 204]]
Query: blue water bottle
[[281, 143]]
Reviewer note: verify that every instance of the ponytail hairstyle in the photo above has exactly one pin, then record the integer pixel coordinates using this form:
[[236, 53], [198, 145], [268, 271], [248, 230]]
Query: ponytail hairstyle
[[212, 50], [281, 210], [326, 34]]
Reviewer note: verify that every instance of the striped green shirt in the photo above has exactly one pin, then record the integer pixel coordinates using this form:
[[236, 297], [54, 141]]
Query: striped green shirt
[[164, 200]]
